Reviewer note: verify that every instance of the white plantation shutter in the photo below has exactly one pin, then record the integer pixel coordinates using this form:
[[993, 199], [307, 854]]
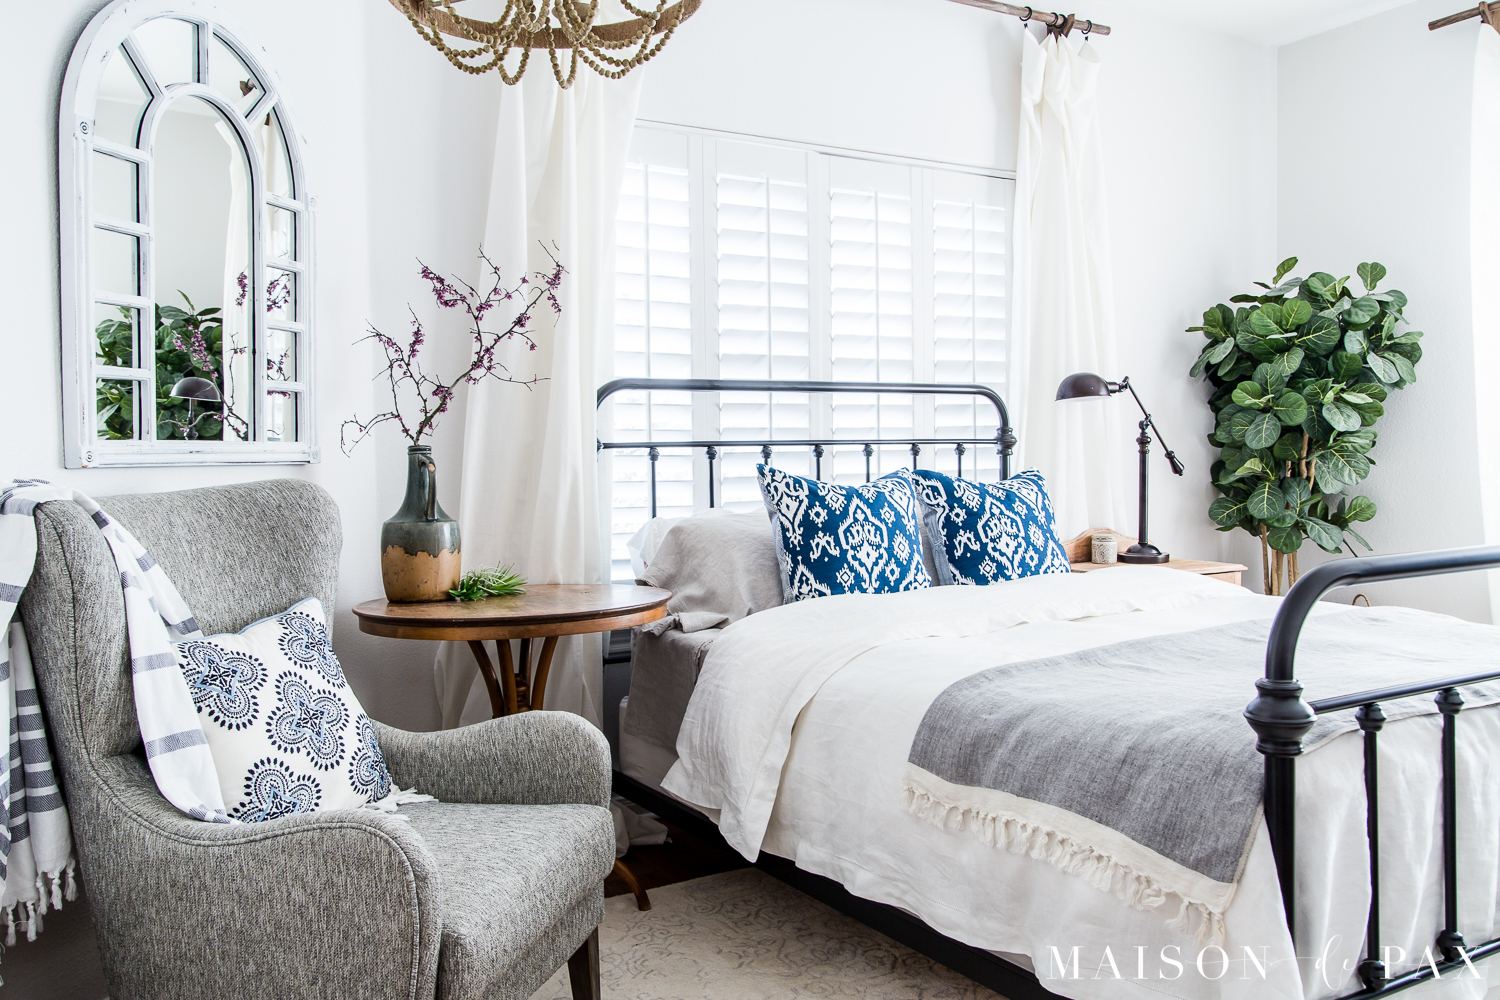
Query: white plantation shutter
[[872, 327], [653, 336], [742, 259], [970, 286], [762, 248]]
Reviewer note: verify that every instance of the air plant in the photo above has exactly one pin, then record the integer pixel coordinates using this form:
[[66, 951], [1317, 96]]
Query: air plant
[[498, 581]]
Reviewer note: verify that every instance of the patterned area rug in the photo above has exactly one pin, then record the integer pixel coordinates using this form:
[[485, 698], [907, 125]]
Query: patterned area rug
[[743, 935]]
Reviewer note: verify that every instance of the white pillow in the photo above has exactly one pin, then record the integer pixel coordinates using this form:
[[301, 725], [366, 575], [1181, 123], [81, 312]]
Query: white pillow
[[286, 732], [721, 563]]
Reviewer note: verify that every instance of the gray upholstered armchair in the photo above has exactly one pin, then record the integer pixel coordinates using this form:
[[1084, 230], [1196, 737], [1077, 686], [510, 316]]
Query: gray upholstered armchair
[[481, 895]]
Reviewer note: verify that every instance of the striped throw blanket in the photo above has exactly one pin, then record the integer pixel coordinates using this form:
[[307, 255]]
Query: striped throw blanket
[[36, 851]]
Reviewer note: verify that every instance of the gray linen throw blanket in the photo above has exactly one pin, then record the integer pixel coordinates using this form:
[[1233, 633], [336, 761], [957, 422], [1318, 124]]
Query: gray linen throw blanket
[[1131, 765]]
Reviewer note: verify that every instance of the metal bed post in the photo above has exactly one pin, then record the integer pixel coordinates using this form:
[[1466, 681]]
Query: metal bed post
[[1281, 720]]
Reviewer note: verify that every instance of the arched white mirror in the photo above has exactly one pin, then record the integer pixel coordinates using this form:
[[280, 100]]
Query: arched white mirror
[[186, 247]]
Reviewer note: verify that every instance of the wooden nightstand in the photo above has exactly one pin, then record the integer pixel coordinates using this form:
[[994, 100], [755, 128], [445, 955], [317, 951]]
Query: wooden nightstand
[[1080, 550]]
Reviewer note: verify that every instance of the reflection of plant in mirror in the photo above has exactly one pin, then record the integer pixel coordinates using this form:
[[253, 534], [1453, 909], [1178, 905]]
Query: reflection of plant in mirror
[[188, 342]]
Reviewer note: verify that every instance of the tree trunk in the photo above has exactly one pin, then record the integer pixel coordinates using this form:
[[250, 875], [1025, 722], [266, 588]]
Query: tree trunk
[[1280, 568]]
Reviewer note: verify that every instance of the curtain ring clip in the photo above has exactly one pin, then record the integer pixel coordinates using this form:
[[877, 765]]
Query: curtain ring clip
[[1027, 17], [1088, 26]]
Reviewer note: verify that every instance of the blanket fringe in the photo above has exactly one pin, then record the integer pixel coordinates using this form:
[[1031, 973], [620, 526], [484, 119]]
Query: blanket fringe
[[1018, 836]]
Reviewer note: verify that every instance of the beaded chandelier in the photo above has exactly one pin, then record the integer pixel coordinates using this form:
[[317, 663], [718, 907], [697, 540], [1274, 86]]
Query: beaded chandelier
[[567, 29]]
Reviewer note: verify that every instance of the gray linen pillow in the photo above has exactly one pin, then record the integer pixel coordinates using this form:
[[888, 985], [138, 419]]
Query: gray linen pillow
[[718, 563]]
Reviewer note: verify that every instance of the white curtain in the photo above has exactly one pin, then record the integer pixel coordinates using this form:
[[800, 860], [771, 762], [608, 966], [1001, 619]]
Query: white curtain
[[530, 494], [1484, 263], [1063, 304]]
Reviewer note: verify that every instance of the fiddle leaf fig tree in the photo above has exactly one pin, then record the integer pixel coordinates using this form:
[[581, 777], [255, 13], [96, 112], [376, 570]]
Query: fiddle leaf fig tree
[[1300, 371]]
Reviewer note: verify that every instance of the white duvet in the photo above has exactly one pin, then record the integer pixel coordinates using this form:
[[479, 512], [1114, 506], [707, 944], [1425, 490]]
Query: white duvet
[[798, 731]]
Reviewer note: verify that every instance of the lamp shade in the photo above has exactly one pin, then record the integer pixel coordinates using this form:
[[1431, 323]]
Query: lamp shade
[[193, 387], [1083, 385]]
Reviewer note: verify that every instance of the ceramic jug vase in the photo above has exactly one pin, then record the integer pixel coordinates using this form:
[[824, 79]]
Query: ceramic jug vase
[[419, 546]]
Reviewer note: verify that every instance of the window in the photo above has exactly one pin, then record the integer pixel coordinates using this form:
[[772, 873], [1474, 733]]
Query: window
[[186, 236], [747, 259]]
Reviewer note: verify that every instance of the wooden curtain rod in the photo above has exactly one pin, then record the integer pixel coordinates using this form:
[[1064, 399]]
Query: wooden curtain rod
[[1488, 12], [1052, 19]]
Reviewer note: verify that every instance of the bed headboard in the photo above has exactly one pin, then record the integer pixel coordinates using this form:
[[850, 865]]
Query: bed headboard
[[1003, 440]]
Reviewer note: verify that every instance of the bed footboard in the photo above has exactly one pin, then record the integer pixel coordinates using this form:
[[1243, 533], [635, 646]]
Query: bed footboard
[[1281, 720]]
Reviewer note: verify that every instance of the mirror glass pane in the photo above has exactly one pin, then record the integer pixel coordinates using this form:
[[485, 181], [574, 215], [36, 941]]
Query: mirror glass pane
[[281, 416], [115, 403], [275, 163], [230, 78], [201, 204], [281, 239], [238, 385], [281, 296], [114, 259], [115, 188], [122, 101], [115, 335], [281, 356], [169, 47]]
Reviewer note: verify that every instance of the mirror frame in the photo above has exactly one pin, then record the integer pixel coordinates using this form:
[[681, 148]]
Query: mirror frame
[[111, 31]]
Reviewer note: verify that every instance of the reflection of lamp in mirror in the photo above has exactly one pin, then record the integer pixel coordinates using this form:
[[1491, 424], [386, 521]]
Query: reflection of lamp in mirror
[[1087, 385], [195, 390]]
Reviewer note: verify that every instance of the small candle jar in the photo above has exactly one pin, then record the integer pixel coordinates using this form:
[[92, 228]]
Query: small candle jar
[[1106, 549]]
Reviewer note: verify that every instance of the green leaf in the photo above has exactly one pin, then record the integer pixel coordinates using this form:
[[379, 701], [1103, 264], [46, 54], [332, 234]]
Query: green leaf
[[1296, 491], [1250, 394], [1320, 284], [1285, 539], [1284, 366], [1263, 431], [1325, 535], [1383, 368], [1294, 313], [1344, 366], [1404, 368], [1371, 274], [1283, 269], [1358, 538], [1356, 342], [1374, 390], [1290, 408], [1226, 512], [1288, 447], [1359, 509], [1219, 351], [1341, 417], [1265, 500], [1266, 320], [1251, 466], [1362, 311], [1320, 335], [1239, 423], [1355, 397]]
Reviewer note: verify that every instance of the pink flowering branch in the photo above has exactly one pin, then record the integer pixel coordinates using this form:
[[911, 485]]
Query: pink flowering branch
[[419, 399]]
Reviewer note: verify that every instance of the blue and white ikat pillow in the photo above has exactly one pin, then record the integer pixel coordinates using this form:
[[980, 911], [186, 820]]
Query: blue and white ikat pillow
[[286, 733], [990, 532], [845, 539]]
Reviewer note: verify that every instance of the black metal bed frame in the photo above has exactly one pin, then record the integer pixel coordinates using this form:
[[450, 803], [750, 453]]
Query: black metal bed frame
[[1278, 714]]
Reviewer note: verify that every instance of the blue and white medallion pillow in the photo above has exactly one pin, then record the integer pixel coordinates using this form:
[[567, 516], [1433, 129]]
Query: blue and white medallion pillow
[[845, 539], [286, 733], [990, 532]]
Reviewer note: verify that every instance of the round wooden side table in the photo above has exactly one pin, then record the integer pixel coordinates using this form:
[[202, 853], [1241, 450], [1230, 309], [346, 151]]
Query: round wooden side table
[[545, 612]]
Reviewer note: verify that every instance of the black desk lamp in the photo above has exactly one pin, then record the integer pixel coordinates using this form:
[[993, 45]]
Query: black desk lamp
[[1087, 385]]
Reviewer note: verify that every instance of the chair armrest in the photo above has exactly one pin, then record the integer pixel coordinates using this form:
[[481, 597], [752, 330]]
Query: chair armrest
[[189, 909], [536, 758]]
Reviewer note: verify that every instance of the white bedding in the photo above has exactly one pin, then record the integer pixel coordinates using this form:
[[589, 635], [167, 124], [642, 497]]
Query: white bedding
[[799, 728]]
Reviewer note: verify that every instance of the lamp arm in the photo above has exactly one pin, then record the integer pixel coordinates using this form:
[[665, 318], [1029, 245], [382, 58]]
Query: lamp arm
[[1171, 456]]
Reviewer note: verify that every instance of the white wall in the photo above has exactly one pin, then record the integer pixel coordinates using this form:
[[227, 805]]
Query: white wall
[[1192, 201], [1373, 151]]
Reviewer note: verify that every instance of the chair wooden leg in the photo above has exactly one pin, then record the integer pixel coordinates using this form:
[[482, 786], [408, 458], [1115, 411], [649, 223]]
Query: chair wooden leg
[[642, 901], [583, 969]]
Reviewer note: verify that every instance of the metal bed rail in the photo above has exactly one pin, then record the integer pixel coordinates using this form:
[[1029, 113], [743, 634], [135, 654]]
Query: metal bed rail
[[1281, 719], [1003, 440]]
